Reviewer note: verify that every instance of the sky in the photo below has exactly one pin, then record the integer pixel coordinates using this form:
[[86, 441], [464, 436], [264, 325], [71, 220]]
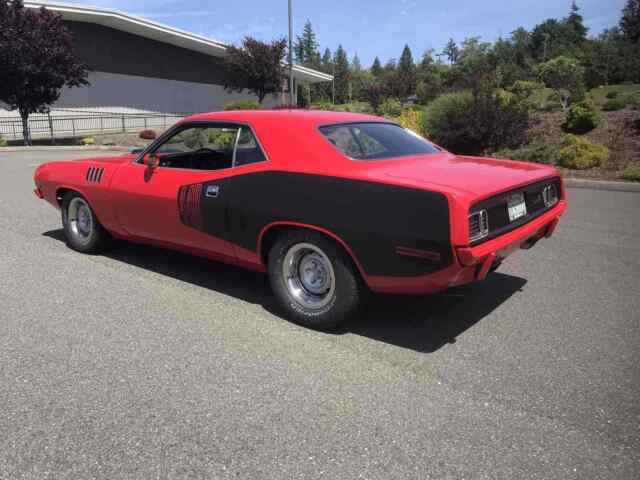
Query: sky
[[367, 27]]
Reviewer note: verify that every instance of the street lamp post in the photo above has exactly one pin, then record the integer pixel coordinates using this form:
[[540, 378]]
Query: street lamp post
[[290, 52]]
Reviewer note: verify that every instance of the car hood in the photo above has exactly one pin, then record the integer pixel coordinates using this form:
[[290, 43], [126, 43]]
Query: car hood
[[471, 176], [126, 157]]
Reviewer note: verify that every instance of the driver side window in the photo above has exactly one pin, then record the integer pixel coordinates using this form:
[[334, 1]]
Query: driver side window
[[199, 148], [210, 147]]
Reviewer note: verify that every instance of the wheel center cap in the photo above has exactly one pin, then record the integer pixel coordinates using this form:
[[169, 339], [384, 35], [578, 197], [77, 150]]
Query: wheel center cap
[[313, 274], [83, 219]]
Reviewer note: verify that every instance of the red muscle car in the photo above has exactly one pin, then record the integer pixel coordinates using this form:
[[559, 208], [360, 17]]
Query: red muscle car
[[331, 205]]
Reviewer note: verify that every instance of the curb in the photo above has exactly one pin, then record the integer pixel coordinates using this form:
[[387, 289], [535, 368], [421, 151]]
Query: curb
[[602, 185], [94, 148]]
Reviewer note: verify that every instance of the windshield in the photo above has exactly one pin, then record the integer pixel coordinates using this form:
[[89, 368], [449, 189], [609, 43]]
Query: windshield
[[375, 141]]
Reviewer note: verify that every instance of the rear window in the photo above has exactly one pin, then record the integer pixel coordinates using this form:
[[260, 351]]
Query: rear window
[[375, 141]]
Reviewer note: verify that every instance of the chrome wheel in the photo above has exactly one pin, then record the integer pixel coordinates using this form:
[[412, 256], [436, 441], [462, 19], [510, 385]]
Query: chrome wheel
[[309, 276], [80, 219]]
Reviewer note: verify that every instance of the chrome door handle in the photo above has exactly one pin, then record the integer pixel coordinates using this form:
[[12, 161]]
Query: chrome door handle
[[212, 191]]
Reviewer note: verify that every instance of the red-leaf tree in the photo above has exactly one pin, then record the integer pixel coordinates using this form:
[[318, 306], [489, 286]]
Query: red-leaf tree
[[256, 66], [37, 60]]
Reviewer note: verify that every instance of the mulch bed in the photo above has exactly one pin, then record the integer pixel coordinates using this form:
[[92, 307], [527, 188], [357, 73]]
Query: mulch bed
[[615, 131]]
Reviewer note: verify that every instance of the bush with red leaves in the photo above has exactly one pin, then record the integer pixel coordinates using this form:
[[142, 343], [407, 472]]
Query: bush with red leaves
[[148, 134]]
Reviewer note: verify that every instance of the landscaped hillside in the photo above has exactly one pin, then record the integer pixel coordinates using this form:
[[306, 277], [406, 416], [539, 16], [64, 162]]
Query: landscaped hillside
[[553, 93]]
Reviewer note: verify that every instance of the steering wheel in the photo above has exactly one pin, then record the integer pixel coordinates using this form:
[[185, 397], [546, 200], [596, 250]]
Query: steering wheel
[[205, 150]]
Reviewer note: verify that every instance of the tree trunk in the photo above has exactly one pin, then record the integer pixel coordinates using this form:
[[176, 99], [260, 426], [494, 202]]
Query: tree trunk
[[26, 131], [564, 102]]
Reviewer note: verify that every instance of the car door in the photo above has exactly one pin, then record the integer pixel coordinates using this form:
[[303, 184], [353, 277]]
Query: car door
[[164, 203]]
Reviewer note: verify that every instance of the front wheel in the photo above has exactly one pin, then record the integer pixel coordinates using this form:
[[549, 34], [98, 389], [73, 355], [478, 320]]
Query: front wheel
[[82, 229], [314, 280]]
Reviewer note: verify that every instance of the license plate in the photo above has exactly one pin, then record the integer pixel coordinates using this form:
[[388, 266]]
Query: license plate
[[516, 206]]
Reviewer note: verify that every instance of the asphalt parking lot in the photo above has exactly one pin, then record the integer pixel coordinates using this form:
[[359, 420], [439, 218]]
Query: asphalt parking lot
[[144, 363]]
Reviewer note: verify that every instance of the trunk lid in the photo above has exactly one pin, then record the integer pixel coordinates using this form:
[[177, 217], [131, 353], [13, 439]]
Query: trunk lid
[[474, 176]]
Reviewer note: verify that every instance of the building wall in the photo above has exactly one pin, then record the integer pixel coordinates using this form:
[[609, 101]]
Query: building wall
[[156, 94], [133, 71], [105, 49]]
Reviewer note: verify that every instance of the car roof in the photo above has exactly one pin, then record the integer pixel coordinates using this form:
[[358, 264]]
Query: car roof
[[308, 117], [276, 129]]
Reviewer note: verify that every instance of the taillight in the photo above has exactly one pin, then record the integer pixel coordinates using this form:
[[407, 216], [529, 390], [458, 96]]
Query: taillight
[[478, 225], [550, 195]]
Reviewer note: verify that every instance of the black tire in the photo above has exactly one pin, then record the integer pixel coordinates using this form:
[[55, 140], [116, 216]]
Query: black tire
[[343, 301], [92, 238], [495, 266]]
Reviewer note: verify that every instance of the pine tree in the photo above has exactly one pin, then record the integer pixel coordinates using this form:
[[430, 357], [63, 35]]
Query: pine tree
[[306, 47], [406, 74], [630, 22], [356, 66], [575, 21], [406, 66], [451, 51], [298, 50], [341, 75], [376, 68], [310, 44], [327, 61], [322, 91]]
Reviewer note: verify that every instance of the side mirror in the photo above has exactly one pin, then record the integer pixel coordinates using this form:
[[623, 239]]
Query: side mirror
[[151, 160]]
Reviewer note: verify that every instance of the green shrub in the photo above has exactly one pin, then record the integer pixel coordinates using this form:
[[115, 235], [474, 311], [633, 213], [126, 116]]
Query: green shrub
[[527, 89], [577, 153], [222, 140], [3, 142], [413, 120], [537, 152], [633, 100], [486, 119], [390, 108], [243, 105], [632, 173], [582, 118], [614, 104], [613, 94], [325, 106], [446, 120], [88, 141], [355, 107]]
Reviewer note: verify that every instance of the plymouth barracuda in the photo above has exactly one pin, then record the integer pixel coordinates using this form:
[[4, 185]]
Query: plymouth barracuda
[[331, 205]]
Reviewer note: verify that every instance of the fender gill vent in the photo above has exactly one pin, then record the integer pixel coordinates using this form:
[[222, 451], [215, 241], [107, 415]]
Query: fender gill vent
[[94, 174], [189, 197]]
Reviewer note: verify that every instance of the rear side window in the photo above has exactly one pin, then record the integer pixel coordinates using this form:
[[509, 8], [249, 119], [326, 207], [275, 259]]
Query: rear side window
[[375, 141], [247, 149]]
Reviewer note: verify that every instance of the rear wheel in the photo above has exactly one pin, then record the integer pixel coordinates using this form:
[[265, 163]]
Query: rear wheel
[[82, 229], [314, 280]]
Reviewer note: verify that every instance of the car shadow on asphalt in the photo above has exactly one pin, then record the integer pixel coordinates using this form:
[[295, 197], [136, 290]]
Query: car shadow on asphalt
[[421, 323]]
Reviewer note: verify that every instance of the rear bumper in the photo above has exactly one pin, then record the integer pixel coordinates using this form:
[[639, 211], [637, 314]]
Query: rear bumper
[[526, 236], [474, 263]]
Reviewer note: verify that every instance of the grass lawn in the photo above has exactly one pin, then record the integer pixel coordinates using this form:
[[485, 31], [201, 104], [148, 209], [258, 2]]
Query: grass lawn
[[599, 94]]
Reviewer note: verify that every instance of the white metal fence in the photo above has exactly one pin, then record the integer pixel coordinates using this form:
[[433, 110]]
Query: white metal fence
[[76, 123]]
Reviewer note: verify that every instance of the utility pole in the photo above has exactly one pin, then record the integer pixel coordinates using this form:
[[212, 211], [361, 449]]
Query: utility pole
[[290, 53], [333, 84]]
